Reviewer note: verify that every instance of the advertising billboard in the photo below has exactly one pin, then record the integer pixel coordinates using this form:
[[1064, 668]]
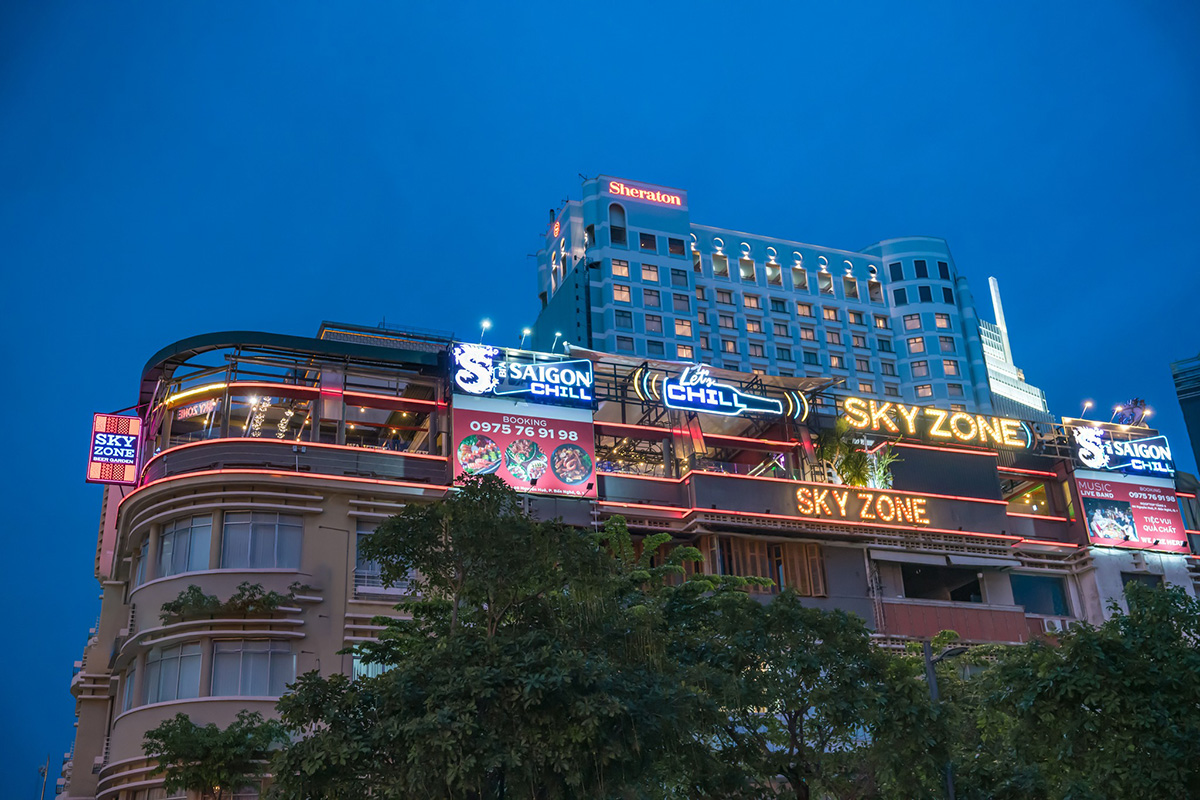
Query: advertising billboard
[[1128, 511], [1096, 449], [532, 448], [936, 424], [486, 371], [116, 442]]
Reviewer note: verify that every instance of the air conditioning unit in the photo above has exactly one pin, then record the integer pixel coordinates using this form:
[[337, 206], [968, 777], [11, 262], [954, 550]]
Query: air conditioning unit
[[1051, 625]]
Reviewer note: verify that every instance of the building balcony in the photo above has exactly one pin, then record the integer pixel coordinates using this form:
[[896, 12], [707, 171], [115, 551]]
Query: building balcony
[[973, 622]]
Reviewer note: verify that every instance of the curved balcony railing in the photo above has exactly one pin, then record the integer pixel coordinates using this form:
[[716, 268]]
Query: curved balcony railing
[[299, 457]]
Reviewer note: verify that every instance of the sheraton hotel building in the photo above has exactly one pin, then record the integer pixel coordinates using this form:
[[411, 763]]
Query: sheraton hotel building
[[679, 376]]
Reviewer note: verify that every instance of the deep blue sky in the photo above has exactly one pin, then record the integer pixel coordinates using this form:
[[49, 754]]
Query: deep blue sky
[[169, 170]]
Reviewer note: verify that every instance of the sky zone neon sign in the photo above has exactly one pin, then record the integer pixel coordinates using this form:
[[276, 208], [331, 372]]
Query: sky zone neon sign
[[936, 424], [861, 505], [624, 190]]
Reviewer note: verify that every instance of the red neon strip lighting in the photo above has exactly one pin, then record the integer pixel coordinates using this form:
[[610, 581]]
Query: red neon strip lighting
[[1186, 494], [745, 477], [391, 398], [1046, 541], [1037, 472], [641, 477], [1037, 516], [660, 432], [992, 453], [292, 442], [905, 494]]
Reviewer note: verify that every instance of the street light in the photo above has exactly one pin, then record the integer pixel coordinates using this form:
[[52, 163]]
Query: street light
[[931, 679], [556, 335], [1086, 406], [484, 326], [524, 335]]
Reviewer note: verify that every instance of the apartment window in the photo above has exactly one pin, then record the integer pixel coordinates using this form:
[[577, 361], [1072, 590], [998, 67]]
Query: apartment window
[[833, 337], [950, 366], [729, 345], [811, 358], [624, 319], [683, 327], [616, 224], [140, 574], [921, 268], [685, 351], [897, 271], [650, 273], [754, 326], [1040, 594], [368, 574], [620, 293], [799, 279], [746, 269], [183, 545], [887, 368], [837, 362], [947, 343], [912, 322], [651, 298], [781, 329], [925, 294], [653, 323], [725, 297], [261, 540], [701, 294], [173, 673], [654, 348], [252, 668], [702, 317], [891, 391], [720, 265], [783, 353], [790, 565], [882, 322], [943, 270], [680, 303], [752, 301], [808, 334], [679, 278], [920, 369], [757, 351], [930, 582], [648, 241], [824, 283], [725, 321], [858, 340], [804, 309], [360, 669], [704, 343], [956, 389], [862, 364], [128, 693], [916, 345], [948, 295], [885, 345], [675, 247], [620, 268], [778, 306], [924, 390], [899, 297], [625, 344], [875, 291], [866, 388], [830, 314], [856, 318], [942, 320], [850, 287]]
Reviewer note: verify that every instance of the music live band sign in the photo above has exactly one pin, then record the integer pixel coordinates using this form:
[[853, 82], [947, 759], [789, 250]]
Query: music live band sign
[[935, 424]]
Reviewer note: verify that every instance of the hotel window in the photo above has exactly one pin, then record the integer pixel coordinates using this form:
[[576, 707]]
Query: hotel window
[[752, 301], [653, 323], [720, 266], [183, 545], [882, 322], [781, 329], [891, 391], [885, 345], [702, 316], [804, 309], [811, 358], [623, 319], [783, 373], [897, 271], [866, 388], [675, 247], [830, 314], [679, 278], [654, 348], [862, 364], [140, 572], [824, 283], [746, 269], [1040, 594], [683, 327], [725, 321], [703, 342], [837, 362], [625, 344], [850, 287], [950, 366], [947, 343], [799, 279], [808, 334], [616, 224], [925, 294], [856, 318], [922, 270], [957, 407], [942, 320], [778, 306], [252, 668], [924, 390], [875, 291], [589, 236], [920, 369], [368, 574], [900, 297], [685, 351], [650, 273], [620, 293], [833, 337], [916, 345], [696, 262], [757, 351], [620, 268], [725, 297], [758, 371], [783, 353], [729, 345], [858, 340], [173, 673], [912, 322], [701, 294], [948, 295], [956, 389], [680, 302], [651, 298], [261, 540], [754, 326], [887, 368], [943, 270], [648, 241]]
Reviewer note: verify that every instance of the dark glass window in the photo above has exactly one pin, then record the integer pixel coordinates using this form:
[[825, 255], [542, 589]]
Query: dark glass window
[[675, 246], [922, 270], [943, 270], [931, 582], [925, 293], [616, 224], [900, 297], [948, 295], [647, 241], [897, 270]]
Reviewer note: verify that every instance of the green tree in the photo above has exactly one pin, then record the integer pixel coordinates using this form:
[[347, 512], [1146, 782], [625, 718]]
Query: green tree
[[209, 760]]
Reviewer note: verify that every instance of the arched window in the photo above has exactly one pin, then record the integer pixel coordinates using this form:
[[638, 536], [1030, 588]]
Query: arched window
[[616, 224]]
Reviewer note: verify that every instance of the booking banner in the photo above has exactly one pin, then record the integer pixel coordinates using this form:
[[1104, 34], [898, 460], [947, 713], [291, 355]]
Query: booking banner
[[1126, 511], [532, 448]]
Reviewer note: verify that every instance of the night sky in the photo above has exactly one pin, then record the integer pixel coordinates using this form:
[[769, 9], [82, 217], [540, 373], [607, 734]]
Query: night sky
[[168, 171]]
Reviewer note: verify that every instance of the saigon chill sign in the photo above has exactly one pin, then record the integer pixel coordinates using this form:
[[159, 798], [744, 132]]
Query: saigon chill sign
[[489, 371]]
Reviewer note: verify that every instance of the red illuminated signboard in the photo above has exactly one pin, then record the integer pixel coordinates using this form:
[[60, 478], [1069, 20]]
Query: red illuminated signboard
[[116, 442], [650, 195], [1127, 511], [935, 424], [854, 504]]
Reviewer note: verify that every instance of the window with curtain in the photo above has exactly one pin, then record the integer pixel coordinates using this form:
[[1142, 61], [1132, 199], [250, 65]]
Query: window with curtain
[[261, 540], [183, 545], [173, 673], [252, 668]]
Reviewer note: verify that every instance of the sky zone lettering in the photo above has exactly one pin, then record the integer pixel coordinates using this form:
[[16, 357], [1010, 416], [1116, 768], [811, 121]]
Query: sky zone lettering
[[621, 190], [935, 423], [861, 505]]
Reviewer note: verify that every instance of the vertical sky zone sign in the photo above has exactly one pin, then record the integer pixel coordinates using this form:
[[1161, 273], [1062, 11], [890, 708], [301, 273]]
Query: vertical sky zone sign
[[488, 371], [116, 442]]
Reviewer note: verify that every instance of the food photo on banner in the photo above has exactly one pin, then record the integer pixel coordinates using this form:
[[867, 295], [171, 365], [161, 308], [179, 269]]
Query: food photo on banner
[[1128, 511], [532, 448]]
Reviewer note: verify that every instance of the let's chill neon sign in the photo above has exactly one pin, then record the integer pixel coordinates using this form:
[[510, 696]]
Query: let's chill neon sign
[[634, 193], [936, 424], [862, 505], [486, 370], [695, 389]]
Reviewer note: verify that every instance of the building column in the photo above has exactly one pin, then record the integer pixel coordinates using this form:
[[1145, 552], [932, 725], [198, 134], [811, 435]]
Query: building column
[[215, 538], [151, 569]]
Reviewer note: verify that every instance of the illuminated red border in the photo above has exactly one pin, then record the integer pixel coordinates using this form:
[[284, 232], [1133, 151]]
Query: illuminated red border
[[1039, 473], [1038, 516]]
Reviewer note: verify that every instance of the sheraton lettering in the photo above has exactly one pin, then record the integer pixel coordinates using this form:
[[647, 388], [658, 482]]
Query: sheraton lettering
[[935, 423], [622, 190], [861, 505]]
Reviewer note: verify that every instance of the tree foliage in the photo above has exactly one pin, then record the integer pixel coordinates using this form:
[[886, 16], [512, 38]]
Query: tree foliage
[[211, 761]]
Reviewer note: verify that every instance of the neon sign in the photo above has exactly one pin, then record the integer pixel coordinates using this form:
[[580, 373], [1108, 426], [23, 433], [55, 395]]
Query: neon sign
[[861, 505], [935, 423], [116, 442], [538, 377], [1095, 449], [697, 390], [557, 227], [623, 190]]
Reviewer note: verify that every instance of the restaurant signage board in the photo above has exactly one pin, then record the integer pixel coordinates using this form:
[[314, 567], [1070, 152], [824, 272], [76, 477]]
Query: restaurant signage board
[[858, 504], [695, 389], [487, 371], [1096, 449], [1130, 511], [936, 424], [116, 442]]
